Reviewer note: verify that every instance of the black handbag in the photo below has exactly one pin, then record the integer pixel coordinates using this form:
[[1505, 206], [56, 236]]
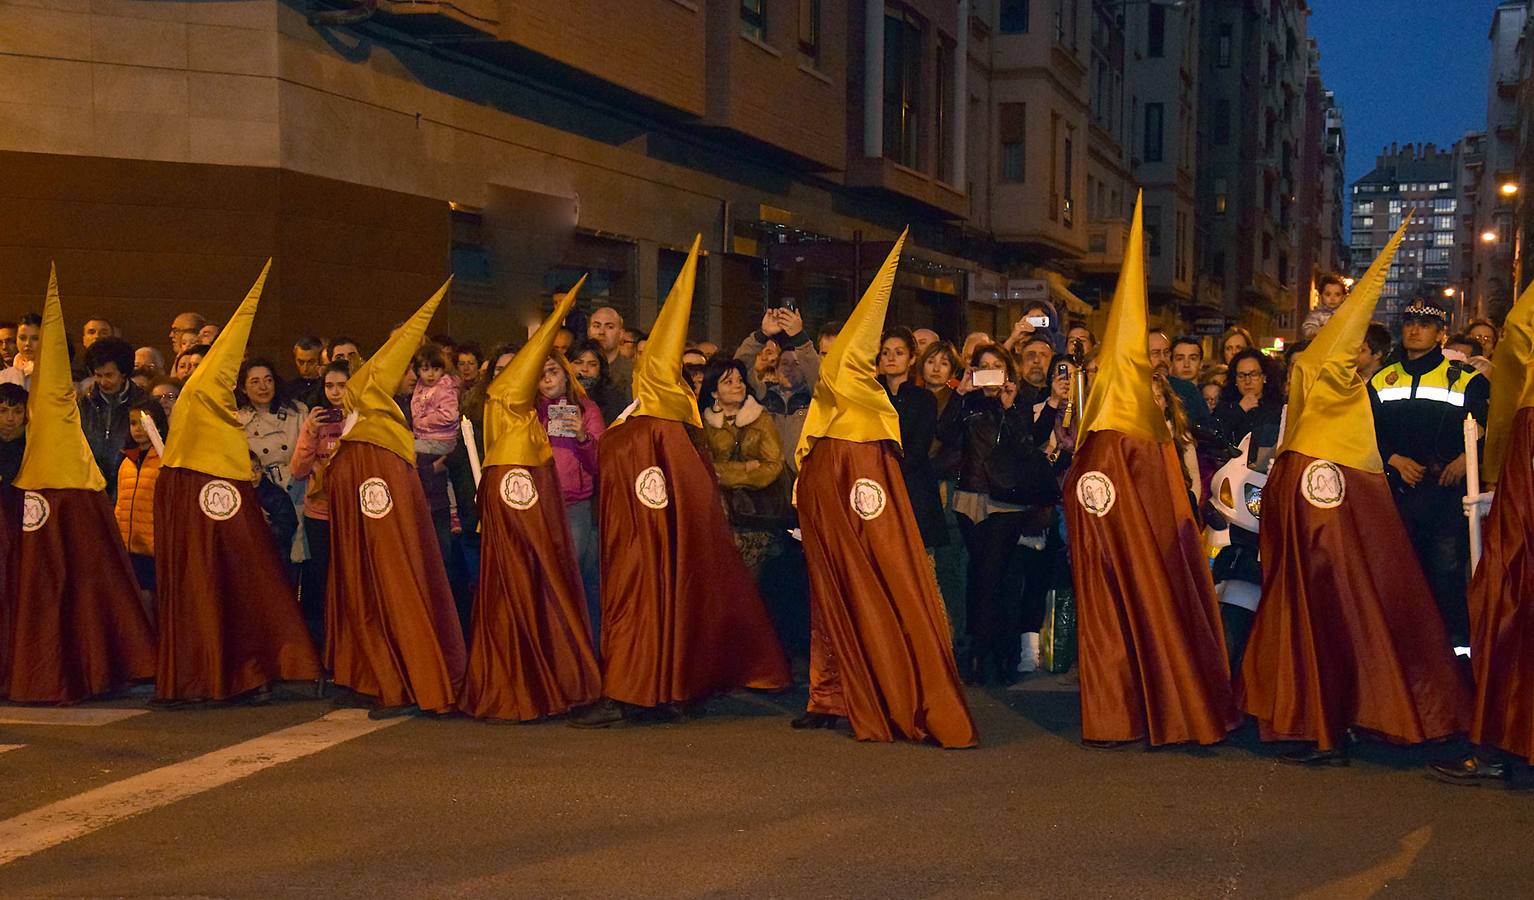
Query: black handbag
[[1022, 475], [768, 508]]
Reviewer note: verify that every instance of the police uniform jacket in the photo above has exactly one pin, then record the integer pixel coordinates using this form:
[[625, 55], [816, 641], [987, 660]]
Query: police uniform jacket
[[1420, 407]]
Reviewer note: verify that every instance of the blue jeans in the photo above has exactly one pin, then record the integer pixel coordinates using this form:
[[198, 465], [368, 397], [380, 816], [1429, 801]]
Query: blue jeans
[[583, 533]]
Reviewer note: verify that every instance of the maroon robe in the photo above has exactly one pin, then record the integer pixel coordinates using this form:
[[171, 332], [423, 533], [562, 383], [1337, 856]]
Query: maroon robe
[[229, 621], [1502, 606], [530, 652], [10, 553], [79, 627], [681, 616], [391, 629], [1347, 633], [880, 652], [1152, 652]]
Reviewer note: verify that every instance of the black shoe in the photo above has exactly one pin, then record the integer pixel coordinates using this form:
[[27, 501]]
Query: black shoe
[[600, 714], [395, 712], [1311, 756], [1473, 771], [813, 720], [346, 698], [171, 703], [261, 696], [1106, 745], [969, 670]]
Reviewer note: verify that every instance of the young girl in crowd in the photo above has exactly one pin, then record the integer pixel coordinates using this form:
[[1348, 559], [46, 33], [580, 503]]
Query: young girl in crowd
[[434, 419], [136, 477], [316, 444], [574, 439], [281, 518]]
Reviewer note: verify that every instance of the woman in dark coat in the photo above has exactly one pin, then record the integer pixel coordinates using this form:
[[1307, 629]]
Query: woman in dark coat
[[917, 408], [1006, 491], [1252, 400]]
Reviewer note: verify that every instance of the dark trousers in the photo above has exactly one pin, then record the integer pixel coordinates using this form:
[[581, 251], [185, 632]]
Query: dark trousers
[[993, 609], [1435, 522], [313, 578]]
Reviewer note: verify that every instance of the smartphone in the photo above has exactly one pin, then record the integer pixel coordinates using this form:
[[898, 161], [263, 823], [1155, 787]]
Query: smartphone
[[563, 419], [1038, 321], [331, 415], [989, 378]]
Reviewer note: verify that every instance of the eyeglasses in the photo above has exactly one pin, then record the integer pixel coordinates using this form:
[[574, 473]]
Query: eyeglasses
[[1248, 376]]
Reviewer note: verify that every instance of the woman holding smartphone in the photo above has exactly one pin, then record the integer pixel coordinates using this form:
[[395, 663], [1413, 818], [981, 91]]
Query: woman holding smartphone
[[1005, 491], [574, 422], [317, 441]]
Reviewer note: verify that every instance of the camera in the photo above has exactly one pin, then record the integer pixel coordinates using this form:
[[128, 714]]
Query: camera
[[989, 378]]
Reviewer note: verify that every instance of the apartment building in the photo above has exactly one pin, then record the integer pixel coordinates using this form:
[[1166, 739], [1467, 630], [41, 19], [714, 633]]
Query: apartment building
[[160, 151], [1410, 178], [1252, 79], [1323, 151]]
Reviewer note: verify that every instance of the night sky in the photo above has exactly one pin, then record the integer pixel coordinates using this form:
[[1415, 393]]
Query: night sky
[[1404, 70]]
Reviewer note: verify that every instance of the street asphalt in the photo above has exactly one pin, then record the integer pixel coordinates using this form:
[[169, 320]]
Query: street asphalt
[[735, 803]]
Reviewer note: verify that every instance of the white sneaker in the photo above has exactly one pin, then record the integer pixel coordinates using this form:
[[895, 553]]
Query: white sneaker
[[1030, 653]]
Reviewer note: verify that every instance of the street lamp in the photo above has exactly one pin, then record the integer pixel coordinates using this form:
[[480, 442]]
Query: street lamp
[[1448, 291], [1509, 188], [1489, 236]]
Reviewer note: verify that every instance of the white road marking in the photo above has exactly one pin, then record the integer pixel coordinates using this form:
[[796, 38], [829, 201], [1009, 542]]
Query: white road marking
[[65, 715], [4, 748], [82, 814]]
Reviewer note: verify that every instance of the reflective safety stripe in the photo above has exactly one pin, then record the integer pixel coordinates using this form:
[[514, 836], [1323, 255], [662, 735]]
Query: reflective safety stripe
[[1441, 395], [1394, 393]]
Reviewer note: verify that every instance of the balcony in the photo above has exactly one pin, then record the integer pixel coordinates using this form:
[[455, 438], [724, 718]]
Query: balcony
[[447, 21], [1105, 246], [883, 174]]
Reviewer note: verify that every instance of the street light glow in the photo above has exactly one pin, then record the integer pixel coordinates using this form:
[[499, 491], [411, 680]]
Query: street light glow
[[1510, 188], [1448, 292], [1488, 236]]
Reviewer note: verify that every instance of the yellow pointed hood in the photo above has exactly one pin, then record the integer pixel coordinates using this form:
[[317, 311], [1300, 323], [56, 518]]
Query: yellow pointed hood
[[660, 391], [370, 392], [1512, 387], [57, 454], [205, 431], [849, 403], [1122, 398], [513, 434], [1329, 413]]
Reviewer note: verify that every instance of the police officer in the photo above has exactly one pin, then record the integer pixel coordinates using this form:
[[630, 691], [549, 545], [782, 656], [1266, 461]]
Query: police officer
[[1420, 403]]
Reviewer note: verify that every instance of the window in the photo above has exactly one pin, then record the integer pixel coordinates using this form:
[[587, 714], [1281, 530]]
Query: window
[[1221, 195], [1395, 207], [1283, 269], [1221, 123], [1152, 216], [1443, 239], [1443, 223], [1444, 205], [1155, 41], [1013, 133], [1014, 16], [902, 90], [1364, 209], [753, 19], [1153, 129], [1068, 202], [1395, 222], [1222, 46], [944, 100], [1363, 221], [1436, 255], [1267, 247], [1065, 23], [809, 28], [1179, 250]]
